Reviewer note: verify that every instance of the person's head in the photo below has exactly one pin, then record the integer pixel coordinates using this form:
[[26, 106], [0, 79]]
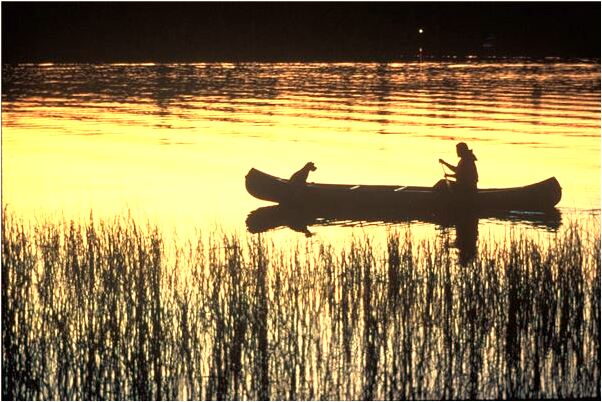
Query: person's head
[[462, 149]]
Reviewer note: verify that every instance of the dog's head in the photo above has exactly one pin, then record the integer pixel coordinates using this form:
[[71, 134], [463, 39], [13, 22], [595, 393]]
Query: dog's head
[[310, 166]]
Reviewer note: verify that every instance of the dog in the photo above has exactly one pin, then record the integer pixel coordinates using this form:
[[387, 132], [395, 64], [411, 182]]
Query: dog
[[300, 177]]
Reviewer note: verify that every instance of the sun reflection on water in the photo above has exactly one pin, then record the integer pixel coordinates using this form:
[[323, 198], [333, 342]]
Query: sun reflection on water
[[174, 141]]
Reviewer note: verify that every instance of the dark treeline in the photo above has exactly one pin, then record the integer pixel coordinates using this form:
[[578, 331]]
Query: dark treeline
[[106, 31]]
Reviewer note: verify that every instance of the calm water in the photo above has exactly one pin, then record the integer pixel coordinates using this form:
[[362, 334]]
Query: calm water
[[102, 311], [173, 142]]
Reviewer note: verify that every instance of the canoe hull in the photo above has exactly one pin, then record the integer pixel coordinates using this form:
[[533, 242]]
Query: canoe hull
[[540, 196]]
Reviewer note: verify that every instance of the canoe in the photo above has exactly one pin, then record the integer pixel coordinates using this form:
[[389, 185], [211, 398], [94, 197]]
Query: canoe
[[541, 196]]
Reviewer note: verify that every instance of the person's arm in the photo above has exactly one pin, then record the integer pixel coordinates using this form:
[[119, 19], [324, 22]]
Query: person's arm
[[451, 167]]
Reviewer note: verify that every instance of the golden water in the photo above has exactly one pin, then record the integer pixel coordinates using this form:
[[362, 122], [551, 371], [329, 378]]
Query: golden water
[[173, 142]]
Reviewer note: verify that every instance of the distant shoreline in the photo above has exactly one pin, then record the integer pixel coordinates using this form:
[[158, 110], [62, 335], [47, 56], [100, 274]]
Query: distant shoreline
[[401, 59], [316, 31]]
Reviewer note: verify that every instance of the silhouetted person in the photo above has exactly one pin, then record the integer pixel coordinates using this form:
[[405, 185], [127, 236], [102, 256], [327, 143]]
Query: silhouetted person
[[466, 172], [300, 177]]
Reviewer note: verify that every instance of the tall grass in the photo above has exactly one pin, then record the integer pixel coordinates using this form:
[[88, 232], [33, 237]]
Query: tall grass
[[110, 311]]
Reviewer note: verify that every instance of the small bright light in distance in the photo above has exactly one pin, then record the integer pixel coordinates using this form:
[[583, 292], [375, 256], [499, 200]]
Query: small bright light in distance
[[420, 30]]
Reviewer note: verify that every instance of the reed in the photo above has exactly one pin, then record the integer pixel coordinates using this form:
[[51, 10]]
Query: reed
[[109, 310]]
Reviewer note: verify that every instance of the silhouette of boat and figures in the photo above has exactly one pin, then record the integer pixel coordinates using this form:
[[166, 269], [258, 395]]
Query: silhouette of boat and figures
[[454, 201]]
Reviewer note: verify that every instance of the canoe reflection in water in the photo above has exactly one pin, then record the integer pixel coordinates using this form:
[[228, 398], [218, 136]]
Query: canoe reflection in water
[[466, 225]]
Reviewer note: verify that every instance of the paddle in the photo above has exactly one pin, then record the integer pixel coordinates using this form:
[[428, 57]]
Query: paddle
[[444, 174]]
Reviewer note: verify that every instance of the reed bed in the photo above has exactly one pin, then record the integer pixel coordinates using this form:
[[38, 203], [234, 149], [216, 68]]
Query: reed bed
[[109, 310]]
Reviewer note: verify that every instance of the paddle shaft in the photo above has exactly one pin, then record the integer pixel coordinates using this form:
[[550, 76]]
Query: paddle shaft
[[444, 174]]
